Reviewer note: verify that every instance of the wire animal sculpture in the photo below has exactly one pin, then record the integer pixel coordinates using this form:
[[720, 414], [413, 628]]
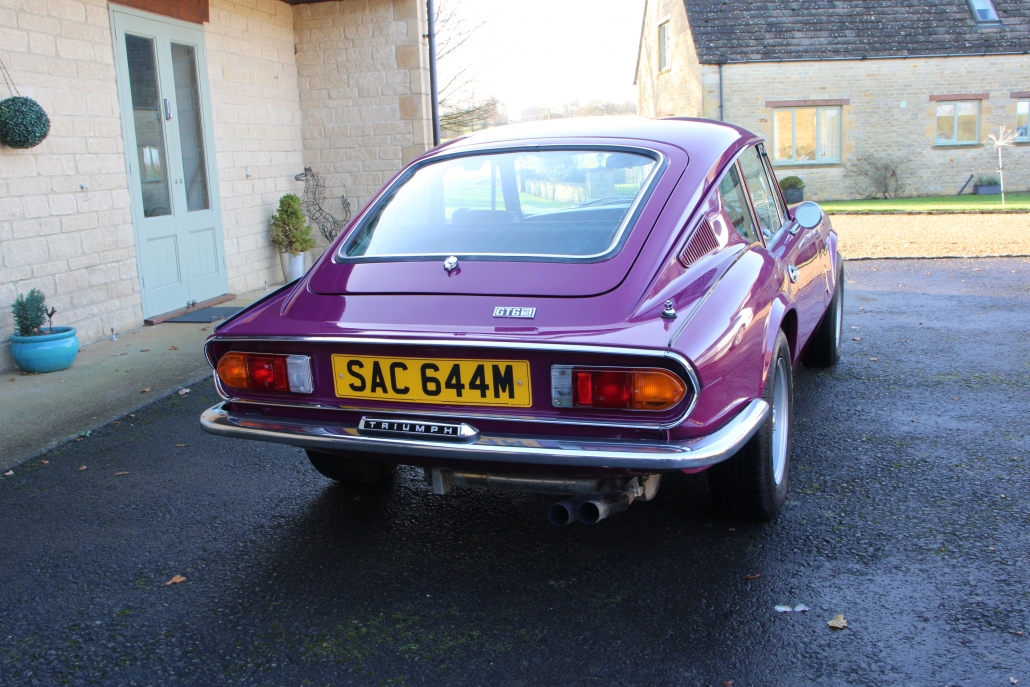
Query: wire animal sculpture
[[311, 203]]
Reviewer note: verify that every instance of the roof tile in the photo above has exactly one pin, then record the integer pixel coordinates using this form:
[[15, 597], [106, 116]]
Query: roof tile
[[739, 30]]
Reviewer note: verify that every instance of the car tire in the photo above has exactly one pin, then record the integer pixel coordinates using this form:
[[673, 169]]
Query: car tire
[[825, 346], [349, 469], [752, 485]]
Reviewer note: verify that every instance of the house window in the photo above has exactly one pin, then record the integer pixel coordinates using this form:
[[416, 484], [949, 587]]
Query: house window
[[663, 46], [806, 135], [983, 11], [958, 123], [1023, 120]]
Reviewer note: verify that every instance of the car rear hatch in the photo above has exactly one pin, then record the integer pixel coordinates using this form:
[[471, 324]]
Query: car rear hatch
[[417, 267]]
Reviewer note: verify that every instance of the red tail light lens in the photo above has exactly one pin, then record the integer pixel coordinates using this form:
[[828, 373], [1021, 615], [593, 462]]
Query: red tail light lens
[[602, 388], [266, 372], [630, 388]]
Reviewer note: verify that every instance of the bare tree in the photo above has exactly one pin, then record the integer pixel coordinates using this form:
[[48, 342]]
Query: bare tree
[[877, 176], [461, 109]]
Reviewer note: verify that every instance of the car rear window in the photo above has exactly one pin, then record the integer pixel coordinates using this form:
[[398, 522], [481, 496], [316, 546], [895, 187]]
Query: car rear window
[[540, 204]]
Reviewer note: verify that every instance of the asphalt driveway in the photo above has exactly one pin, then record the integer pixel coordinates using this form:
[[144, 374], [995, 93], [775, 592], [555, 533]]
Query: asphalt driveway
[[908, 513]]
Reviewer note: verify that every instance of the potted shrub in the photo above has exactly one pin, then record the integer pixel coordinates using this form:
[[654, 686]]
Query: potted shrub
[[793, 189], [36, 348], [987, 186], [291, 236]]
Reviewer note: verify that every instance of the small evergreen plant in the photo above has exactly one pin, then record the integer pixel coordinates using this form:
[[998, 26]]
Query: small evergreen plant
[[30, 313], [986, 180], [290, 231], [792, 182]]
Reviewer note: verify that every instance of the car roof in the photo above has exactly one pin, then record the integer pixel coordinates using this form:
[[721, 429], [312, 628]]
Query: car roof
[[690, 134]]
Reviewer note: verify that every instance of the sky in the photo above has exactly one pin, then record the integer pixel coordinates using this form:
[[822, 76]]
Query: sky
[[550, 52]]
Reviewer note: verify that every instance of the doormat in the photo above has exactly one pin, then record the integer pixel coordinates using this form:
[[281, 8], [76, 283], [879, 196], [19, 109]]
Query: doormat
[[206, 315]]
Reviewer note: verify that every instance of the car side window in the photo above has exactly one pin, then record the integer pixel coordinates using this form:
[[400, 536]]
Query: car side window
[[763, 195], [734, 203]]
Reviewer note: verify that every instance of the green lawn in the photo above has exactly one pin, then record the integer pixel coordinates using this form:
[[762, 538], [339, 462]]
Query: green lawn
[[1013, 201]]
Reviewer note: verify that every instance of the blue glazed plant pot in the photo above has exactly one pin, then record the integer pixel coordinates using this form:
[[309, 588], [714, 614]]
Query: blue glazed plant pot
[[47, 352]]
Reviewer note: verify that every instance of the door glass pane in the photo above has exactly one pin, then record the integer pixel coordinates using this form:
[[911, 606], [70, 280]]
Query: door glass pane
[[783, 132], [1023, 120], [734, 204], [829, 133], [191, 128], [945, 122], [804, 130], [146, 117], [762, 193], [967, 113]]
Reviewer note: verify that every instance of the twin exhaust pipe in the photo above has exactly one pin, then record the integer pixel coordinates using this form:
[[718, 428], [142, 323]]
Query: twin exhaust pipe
[[598, 498], [589, 508]]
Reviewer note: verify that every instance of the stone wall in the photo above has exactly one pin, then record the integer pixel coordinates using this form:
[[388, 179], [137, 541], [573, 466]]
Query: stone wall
[[890, 112], [364, 92], [675, 91], [75, 245], [257, 124]]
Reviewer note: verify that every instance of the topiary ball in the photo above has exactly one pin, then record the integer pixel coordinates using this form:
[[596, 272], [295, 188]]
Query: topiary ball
[[23, 123]]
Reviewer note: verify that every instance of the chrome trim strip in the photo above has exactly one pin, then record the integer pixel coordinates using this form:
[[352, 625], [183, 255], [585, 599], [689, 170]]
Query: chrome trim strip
[[641, 455], [685, 364]]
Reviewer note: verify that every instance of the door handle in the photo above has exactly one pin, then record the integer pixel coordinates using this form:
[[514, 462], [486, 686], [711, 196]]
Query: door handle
[[168, 109], [793, 273]]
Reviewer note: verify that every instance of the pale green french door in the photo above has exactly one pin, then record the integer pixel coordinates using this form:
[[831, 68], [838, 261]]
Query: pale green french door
[[166, 120]]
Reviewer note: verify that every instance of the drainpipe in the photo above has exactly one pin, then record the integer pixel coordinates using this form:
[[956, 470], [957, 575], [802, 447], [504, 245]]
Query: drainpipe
[[722, 118], [433, 94]]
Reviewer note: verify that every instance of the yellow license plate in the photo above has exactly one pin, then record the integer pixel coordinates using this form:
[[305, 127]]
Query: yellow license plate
[[432, 380]]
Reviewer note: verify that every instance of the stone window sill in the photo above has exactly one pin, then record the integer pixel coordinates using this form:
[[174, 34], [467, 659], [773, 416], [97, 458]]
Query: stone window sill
[[806, 165]]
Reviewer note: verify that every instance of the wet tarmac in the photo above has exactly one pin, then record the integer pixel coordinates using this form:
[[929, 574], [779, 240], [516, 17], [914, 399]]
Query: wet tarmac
[[909, 513]]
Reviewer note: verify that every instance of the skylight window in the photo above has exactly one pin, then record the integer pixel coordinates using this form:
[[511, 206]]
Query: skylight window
[[983, 11]]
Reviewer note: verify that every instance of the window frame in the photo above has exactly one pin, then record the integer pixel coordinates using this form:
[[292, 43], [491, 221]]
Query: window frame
[[774, 192], [664, 61], [1025, 138], [793, 161], [990, 5], [954, 128]]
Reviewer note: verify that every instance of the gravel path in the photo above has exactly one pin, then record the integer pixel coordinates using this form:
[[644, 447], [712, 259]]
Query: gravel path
[[908, 514], [928, 236]]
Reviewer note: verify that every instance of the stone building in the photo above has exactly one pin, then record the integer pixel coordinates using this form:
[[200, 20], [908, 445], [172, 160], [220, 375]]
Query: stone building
[[176, 125], [824, 82]]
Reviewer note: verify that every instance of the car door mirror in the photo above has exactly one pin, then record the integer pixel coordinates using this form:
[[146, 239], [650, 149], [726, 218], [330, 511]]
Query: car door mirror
[[808, 215]]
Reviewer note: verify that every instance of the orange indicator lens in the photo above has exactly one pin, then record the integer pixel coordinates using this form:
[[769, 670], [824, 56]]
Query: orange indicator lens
[[232, 370]]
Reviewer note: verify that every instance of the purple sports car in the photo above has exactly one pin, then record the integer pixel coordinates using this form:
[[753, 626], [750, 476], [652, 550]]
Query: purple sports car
[[572, 307]]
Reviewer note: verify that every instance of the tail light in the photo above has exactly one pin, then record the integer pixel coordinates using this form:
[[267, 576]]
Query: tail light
[[266, 372], [644, 388]]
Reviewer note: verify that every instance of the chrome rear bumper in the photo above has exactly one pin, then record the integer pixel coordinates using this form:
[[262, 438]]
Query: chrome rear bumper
[[639, 455]]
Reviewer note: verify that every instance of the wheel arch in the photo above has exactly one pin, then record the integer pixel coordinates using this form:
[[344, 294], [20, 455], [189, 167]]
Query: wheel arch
[[782, 317]]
